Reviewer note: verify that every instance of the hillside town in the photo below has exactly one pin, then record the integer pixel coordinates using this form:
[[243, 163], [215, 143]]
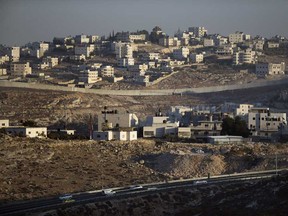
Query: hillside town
[[225, 124], [141, 59]]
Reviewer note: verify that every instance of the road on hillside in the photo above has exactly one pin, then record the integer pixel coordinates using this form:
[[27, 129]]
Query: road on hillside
[[44, 204]]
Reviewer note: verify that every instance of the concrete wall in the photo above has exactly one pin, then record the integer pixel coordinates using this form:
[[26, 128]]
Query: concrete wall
[[145, 92]]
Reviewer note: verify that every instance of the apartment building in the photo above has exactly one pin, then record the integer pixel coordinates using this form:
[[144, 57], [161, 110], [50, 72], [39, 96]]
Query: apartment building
[[138, 68], [151, 56], [83, 49], [125, 62], [244, 57], [3, 71], [20, 69], [208, 42], [158, 126], [265, 69], [88, 76], [4, 59], [107, 71], [51, 61], [15, 54], [94, 38], [237, 37], [259, 45], [198, 31], [243, 109], [81, 39], [181, 53], [206, 128], [273, 45], [196, 58], [262, 122], [110, 120], [167, 41], [124, 50]]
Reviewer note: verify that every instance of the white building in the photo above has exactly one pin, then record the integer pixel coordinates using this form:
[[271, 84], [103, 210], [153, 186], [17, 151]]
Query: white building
[[3, 71], [244, 57], [115, 135], [262, 122], [273, 45], [4, 59], [107, 71], [265, 69], [198, 31], [209, 42], [15, 54], [81, 57], [81, 39], [4, 123], [20, 69], [109, 120], [243, 109], [88, 76], [159, 126], [236, 37], [181, 53], [51, 61], [167, 41], [196, 58], [30, 132], [84, 50], [124, 50], [125, 62]]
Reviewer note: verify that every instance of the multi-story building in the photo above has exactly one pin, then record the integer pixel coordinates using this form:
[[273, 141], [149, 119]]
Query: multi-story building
[[80, 39], [237, 37], [83, 49], [125, 62], [39, 49], [167, 41], [94, 38], [208, 42], [4, 59], [206, 128], [181, 53], [243, 109], [3, 71], [51, 61], [151, 56], [88, 76], [272, 45], [107, 71], [196, 58], [198, 31], [21, 69], [124, 50], [259, 44], [15, 54], [244, 57], [265, 69], [262, 122], [110, 120], [159, 126]]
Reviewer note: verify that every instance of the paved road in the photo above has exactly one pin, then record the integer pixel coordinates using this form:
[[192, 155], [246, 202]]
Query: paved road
[[37, 205], [255, 84]]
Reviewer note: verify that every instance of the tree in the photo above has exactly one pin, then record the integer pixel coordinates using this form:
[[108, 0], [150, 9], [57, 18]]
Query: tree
[[235, 127]]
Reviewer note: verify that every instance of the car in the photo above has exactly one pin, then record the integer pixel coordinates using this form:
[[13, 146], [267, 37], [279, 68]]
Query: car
[[65, 197], [200, 182], [108, 192], [135, 187]]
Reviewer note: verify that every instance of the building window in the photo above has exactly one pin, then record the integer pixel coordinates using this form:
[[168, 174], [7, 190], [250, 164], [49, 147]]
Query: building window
[[253, 118], [29, 132]]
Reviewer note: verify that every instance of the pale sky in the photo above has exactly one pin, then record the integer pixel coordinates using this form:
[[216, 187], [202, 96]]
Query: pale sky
[[23, 21]]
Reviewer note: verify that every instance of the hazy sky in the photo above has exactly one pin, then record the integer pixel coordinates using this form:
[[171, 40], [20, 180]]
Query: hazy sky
[[23, 21]]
